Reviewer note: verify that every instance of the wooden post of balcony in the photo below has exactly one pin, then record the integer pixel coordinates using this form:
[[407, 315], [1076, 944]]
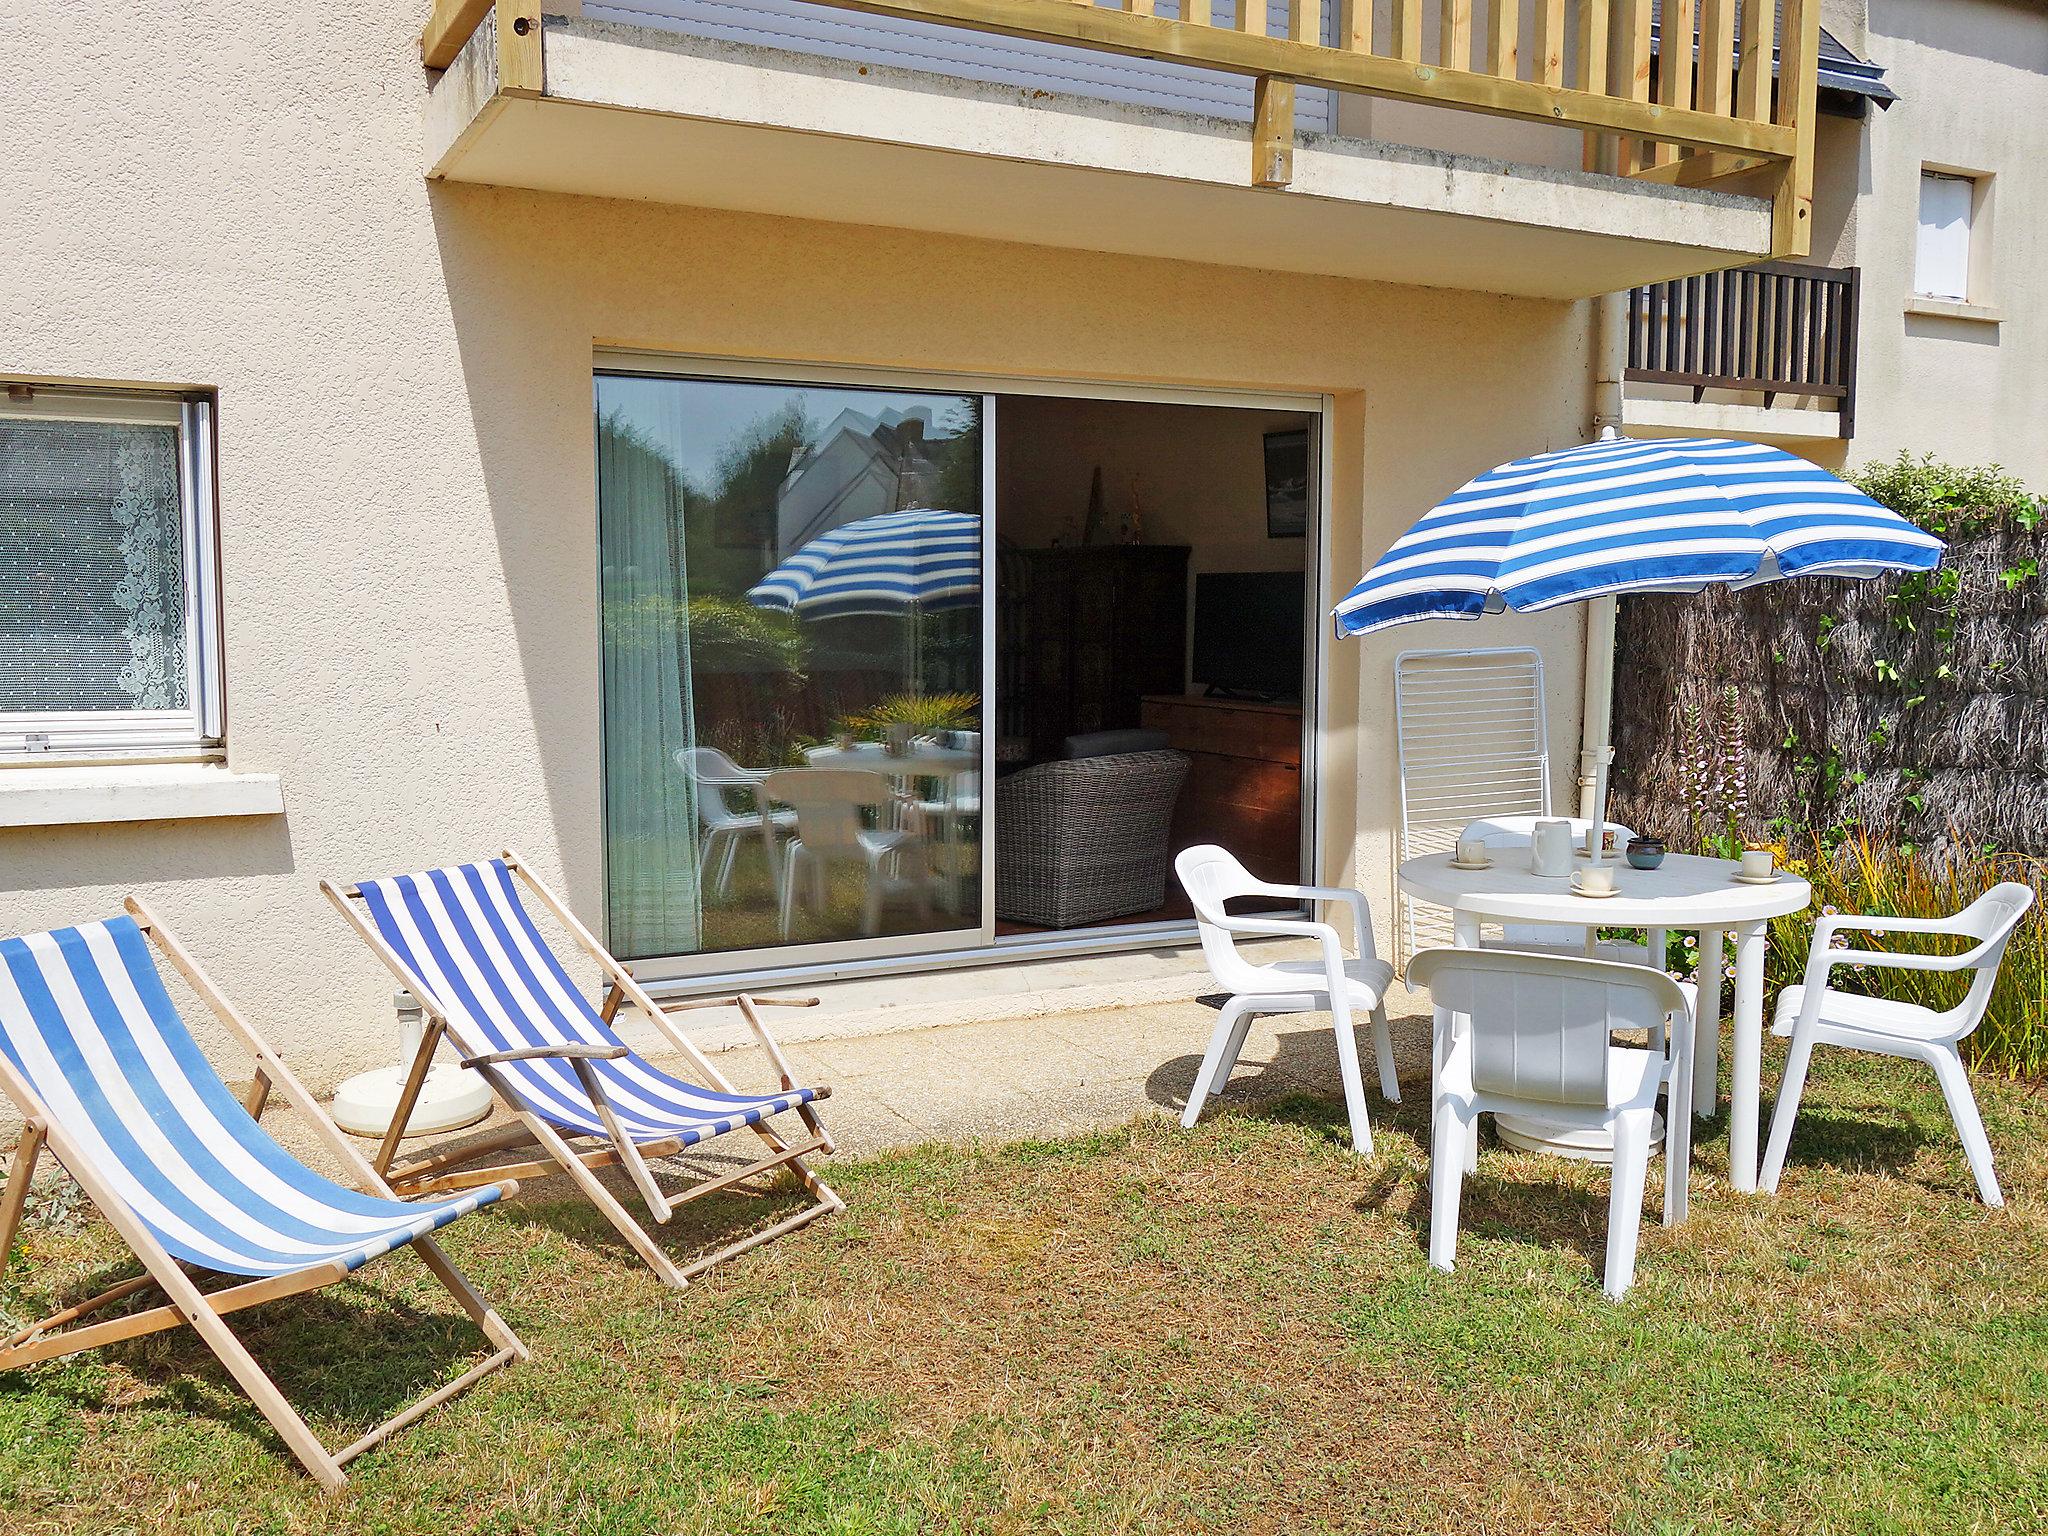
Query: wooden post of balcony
[[1502, 39], [1354, 25], [1674, 66], [520, 67], [1549, 64], [1798, 89], [1407, 27], [1139, 7], [1753, 72], [1635, 73], [1272, 132], [1717, 56], [1195, 13], [1594, 25], [1455, 38], [1251, 16]]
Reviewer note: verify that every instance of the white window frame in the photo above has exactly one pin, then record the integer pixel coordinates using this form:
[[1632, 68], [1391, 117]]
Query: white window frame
[[31, 737], [1976, 235]]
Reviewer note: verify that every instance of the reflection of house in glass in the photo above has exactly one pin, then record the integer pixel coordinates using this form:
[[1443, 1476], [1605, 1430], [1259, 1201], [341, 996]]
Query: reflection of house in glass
[[862, 465]]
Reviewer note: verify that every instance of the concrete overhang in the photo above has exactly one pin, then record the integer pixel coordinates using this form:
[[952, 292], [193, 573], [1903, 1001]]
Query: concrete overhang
[[661, 116]]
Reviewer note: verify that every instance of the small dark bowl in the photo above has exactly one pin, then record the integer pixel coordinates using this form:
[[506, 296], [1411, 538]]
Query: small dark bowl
[[1646, 852]]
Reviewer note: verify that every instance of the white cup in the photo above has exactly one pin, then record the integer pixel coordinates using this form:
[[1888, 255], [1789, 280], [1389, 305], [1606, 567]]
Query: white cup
[[1595, 879], [1471, 851], [1756, 863]]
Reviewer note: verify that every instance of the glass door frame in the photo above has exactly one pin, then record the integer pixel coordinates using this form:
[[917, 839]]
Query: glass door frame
[[978, 944]]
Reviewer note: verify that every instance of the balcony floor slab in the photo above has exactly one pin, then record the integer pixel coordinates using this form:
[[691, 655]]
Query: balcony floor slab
[[658, 116]]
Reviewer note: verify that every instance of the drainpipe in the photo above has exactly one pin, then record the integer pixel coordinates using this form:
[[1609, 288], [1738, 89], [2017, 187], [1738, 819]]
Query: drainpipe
[[1609, 356]]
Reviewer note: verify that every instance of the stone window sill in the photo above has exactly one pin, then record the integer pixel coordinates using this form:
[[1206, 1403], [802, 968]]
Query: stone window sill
[[1954, 309], [84, 794]]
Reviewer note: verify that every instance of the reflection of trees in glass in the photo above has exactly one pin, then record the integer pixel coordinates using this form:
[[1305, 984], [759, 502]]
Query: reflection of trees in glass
[[730, 520], [960, 458], [729, 634]]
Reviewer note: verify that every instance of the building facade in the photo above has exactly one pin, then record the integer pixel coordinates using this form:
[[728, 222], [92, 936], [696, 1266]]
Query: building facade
[[398, 447]]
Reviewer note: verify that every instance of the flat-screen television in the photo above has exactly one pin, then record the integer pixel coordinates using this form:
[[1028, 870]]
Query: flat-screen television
[[1250, 628]]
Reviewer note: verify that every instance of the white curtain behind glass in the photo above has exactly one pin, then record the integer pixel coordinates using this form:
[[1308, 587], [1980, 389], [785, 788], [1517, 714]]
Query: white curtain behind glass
[[651, 853], [92, 584]]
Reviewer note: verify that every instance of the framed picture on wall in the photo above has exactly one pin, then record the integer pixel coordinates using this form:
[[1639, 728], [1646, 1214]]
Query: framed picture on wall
[[1287, 484]]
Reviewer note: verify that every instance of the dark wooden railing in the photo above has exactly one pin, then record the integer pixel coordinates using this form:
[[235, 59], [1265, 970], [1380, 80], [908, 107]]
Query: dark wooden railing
[[1777, 327]]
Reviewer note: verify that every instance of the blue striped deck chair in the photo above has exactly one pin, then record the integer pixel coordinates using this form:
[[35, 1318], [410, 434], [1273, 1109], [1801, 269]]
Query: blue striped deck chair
[[111, 1083], [463, 940]]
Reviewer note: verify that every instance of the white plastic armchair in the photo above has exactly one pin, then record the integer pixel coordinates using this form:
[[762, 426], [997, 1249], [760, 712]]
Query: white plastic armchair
[[1212, 877], [1531, 1034], [721, 825], [1817, 1013]]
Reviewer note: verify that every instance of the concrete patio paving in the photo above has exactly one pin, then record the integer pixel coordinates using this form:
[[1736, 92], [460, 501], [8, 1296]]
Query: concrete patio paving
[[1035, 1073], [1067, 1072]]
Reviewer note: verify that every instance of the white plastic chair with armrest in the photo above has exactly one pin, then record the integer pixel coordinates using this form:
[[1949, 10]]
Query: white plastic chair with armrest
[[1815, 1013], [1537, 1040], [722, 827], [1211, 876]]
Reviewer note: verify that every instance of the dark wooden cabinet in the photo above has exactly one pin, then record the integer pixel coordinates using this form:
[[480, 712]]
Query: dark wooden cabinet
[[1082, 635], [1244, 782]]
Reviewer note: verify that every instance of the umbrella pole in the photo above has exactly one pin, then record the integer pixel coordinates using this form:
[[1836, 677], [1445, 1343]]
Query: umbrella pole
[[1597, 713]]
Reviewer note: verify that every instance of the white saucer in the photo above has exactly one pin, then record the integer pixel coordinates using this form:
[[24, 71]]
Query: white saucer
[[1579, 890], [1771, 879], [1456, 864], [1579, 851]]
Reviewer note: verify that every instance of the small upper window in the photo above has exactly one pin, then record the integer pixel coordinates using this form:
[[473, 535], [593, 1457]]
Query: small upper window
[[108, 611], [1941, 266]]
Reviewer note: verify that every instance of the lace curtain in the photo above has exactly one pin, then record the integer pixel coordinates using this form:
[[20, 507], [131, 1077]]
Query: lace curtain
[[92, 570]]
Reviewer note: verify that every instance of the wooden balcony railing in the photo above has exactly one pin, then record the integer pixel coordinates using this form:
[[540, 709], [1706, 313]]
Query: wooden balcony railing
[[1776, 327], [1693, 111]]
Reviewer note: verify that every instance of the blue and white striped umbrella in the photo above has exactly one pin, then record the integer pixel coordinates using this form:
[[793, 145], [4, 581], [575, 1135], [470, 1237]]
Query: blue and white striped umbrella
[[920, 558], [1630, 515]]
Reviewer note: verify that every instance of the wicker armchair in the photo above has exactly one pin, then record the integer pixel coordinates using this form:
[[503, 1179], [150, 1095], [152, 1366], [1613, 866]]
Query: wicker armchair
[[1084, 840]]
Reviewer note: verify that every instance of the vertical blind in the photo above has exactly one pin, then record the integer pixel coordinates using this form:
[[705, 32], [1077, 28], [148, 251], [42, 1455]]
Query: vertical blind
[[92, 568]]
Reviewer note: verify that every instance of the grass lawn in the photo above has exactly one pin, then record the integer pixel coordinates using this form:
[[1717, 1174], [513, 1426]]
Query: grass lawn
[[1148, 1330]]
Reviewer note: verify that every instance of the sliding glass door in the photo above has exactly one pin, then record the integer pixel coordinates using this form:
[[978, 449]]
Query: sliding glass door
[[793, 652]]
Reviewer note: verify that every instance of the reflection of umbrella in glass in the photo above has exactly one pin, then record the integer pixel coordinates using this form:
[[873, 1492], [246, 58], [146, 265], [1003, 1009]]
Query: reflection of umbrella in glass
[[920, 558], [1630, 515], [911, 562]]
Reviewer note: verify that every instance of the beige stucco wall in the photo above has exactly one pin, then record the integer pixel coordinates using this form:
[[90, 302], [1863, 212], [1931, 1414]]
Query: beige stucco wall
[[232, 198], [1974, 78]]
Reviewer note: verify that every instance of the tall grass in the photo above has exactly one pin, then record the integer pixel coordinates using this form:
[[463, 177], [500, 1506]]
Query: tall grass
[[1868, 876]]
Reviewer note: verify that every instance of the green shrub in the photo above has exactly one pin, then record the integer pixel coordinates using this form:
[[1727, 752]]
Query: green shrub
[[1951, 500]]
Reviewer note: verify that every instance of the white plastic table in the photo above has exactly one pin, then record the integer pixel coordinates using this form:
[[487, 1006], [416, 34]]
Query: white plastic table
[[1686, 894]]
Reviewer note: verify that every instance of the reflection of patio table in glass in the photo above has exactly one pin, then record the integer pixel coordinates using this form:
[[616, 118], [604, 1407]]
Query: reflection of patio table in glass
[[1686, 894], [922, 761]]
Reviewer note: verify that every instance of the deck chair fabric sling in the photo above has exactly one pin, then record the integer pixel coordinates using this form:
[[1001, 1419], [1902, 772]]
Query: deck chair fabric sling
[[111, 1082], [464, 941]]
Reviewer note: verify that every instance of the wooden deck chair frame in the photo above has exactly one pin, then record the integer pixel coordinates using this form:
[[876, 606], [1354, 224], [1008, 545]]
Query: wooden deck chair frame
[[185, 1302], [443, 1171]]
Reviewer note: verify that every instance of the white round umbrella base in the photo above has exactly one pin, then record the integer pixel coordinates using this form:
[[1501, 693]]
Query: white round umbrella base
[[449, 1099], [1527, 1135]]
